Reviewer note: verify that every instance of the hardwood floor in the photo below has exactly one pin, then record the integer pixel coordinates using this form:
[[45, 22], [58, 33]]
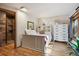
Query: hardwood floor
[[58, 49], [9, 50], [54, 49]]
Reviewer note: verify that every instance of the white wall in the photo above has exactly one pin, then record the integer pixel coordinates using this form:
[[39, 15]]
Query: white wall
[[32, 19], [51, 20], [21, 19]]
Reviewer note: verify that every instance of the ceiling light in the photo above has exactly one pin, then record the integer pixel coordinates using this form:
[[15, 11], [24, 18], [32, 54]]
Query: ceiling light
[[23, 9]]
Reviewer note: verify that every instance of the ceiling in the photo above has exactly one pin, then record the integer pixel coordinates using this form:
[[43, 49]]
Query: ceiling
[[45, 9]]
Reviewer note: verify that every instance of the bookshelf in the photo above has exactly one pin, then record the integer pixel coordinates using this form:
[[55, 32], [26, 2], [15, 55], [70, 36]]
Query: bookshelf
[[2, 27], [7, 26]]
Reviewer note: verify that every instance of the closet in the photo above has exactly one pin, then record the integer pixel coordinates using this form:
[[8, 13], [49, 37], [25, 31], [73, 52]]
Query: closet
[[7, 27]]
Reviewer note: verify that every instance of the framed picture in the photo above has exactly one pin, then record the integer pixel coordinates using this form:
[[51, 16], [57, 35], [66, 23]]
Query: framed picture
[[30, 25]]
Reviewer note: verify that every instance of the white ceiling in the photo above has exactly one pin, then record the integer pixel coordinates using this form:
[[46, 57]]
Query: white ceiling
[[46, 9]]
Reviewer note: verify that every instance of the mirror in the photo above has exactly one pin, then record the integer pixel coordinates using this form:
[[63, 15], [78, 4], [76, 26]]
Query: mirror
[[75, 27]]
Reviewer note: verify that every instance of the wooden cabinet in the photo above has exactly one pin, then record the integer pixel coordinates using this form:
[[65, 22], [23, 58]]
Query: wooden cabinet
[[7, 26], [10, 28], [2, 27]]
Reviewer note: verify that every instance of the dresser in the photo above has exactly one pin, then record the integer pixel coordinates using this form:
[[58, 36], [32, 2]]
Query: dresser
[[61, 32]]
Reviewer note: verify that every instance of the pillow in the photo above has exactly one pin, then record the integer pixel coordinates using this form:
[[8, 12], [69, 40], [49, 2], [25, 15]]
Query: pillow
[[30, 32]]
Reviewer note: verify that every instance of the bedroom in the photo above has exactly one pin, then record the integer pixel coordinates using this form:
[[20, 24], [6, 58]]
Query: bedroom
[[34, 28]]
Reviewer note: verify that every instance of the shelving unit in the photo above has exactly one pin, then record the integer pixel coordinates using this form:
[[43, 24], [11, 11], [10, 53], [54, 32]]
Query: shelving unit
[[10, 28], [2, 27], [7, 27]]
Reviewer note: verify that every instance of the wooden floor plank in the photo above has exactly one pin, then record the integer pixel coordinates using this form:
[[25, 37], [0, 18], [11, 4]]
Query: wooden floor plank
[[9, 50]]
